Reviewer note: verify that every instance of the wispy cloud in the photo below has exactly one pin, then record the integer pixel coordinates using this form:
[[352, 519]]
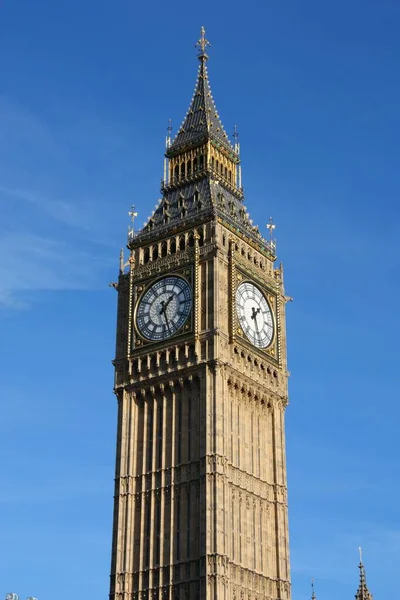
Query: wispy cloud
[[67, 212], [57, 226], [33, 263]]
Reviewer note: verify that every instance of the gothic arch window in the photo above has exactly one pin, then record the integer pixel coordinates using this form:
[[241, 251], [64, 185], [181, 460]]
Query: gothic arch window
[[173, 246], [226, 173], [217, 166], [195, 164], [176, 172], [164, 249], [212, 162], [230, 176], [181, 241], [146, 256], [189, 167], [191, 240], [183, 166], [201, 162], [155, 252]]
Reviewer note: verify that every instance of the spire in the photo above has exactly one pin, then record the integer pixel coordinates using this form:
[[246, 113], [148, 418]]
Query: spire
[[202, 172], [313, 596], [362, 593], [202, 119]]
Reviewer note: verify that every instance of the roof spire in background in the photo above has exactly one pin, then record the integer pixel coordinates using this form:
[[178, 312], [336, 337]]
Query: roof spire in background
[[363, 592], [202, 44], [313, 596]]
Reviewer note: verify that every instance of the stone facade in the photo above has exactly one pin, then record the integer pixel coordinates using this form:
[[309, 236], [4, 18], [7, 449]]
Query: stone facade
[[200, 490]]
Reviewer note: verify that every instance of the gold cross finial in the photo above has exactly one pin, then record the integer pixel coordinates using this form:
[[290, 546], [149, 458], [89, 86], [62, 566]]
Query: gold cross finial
[[202, 44]]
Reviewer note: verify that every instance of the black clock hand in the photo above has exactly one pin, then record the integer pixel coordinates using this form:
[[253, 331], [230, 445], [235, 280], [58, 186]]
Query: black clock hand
[[169, 300], [163, 311], [255, 313]]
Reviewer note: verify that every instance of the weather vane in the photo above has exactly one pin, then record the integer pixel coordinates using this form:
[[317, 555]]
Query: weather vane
[[271, 226], [133, 214], [202, 44]]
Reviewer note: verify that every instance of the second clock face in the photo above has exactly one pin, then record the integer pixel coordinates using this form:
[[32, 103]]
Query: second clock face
[[164, 308], [254, 314]]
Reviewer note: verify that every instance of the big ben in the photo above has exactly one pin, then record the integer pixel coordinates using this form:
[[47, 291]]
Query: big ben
[[200, 508]]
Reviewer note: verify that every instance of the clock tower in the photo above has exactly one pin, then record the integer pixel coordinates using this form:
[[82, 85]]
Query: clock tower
[[200, 507]]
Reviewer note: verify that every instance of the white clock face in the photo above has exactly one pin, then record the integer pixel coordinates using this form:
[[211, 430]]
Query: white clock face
[[254, 314], [164, 308]]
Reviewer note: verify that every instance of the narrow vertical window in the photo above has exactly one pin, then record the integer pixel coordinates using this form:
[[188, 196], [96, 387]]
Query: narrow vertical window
[[157, 560], [261, 541], [178, 532], [150, 437], [238, 435], [233, 528], [148, 529], [188, 523], [240, 530], [252, 441], [160, 436], [259, 447], [179, 449], [254, 538], [189, 429]]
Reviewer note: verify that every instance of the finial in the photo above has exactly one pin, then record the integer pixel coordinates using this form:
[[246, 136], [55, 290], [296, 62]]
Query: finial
[[236, 138], [313, 596], [169, 131], [133, 214], [360, 553], [131, 230], [270, 226], [202, 44]]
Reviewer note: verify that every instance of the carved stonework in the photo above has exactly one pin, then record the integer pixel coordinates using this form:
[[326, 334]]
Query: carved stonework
[[200, 482]]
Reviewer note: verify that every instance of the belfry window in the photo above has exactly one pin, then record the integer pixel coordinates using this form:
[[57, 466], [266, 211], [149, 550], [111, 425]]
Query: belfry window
[[189, 167]]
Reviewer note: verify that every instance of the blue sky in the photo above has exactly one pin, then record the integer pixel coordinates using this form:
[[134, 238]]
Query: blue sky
[[86, 91]]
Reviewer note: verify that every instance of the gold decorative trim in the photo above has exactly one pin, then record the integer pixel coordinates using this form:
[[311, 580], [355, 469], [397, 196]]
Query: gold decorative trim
[[196, 286], [232, 291], [132, 263]]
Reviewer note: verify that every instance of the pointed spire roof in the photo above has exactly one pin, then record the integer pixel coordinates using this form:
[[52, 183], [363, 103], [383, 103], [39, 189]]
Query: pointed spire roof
[[363, 592], [202, 119], [198, 183], [313, 596]]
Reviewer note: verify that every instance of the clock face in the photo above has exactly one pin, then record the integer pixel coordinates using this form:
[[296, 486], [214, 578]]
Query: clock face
[[254, 314], [164, 308]]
